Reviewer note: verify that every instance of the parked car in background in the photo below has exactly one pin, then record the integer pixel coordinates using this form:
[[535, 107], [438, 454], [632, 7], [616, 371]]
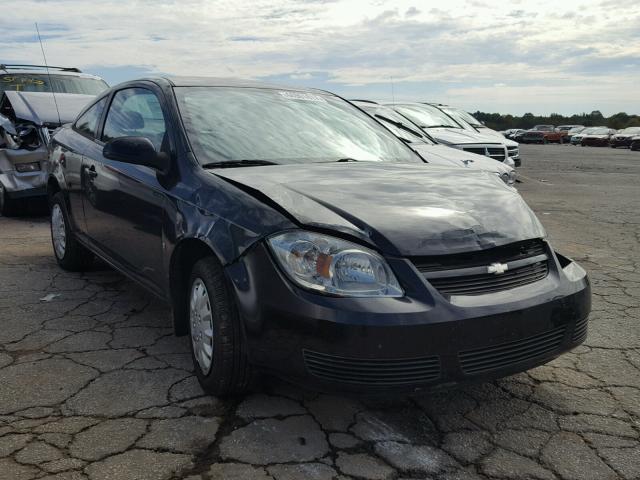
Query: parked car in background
[[294, 234], [29, 113], [574, 131], [565, 129], [469, 122], [623, 138], [429, 149], [541, 134], [577, 138], [445, 130], [513, 133], [529, 136], [598, 137]]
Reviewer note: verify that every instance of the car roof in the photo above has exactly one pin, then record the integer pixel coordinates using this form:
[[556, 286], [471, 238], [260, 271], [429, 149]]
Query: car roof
[[179, 81], [42, 70]]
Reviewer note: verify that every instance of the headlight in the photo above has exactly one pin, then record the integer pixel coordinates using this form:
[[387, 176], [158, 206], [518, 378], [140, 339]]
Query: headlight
[[28, 167], [11, 140], [508, 177], [333, 266]]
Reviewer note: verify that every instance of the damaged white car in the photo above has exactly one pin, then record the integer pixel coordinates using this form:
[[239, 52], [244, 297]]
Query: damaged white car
[[29, 113]]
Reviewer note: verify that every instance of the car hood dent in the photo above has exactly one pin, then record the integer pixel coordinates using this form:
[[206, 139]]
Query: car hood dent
[[402, 209], [40, 107]]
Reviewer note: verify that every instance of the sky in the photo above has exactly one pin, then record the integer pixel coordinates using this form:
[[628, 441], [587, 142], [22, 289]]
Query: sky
[[495, 56]]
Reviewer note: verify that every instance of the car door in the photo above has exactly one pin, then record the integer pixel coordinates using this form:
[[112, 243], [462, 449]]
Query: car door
[[86, 128], [124, 203]]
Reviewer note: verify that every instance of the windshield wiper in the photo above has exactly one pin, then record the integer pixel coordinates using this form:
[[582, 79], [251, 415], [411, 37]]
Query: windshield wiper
[[438, 126], [348, 159], [399, 125], [238, 163]]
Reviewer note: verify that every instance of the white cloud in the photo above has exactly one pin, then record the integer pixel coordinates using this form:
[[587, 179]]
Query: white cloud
[[456, 48]]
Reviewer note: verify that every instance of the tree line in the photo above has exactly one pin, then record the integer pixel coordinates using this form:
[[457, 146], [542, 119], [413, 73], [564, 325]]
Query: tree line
[[498, 121]]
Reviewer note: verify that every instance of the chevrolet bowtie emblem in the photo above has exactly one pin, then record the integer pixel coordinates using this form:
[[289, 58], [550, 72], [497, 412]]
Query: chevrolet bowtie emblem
[[497, 268]]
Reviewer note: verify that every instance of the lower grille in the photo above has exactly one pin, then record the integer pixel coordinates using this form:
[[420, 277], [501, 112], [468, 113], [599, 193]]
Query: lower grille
[[506, 354], [489, 282], [580, 330], [380, 372]]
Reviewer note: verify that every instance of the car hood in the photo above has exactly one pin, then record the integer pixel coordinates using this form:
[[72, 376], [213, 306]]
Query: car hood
[[458, 136], [453, 157], [402, 209], [488, 132], [40, 107]]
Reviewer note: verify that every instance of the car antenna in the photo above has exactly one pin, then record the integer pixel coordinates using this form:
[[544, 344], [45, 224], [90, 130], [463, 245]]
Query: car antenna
[[46, 65], [393, 93]]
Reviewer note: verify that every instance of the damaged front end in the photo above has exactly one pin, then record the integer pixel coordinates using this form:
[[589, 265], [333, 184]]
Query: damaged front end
[[27, 121], [23, 154]]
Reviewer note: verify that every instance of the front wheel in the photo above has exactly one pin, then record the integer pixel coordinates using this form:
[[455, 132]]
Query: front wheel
[[69, 254], [218, 348]]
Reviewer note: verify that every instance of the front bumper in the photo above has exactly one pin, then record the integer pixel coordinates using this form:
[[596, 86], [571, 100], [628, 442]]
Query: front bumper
[[595, 142], [620, 142], [391, 345]]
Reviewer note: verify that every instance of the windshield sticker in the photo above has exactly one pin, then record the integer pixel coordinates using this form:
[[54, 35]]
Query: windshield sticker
[[19, 82], [309, 97]]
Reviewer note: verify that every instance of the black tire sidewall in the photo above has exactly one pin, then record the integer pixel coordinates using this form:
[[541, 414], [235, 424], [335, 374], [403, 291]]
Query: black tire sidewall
[[76, 257], [7, 206], [226, 373], [58, 199]]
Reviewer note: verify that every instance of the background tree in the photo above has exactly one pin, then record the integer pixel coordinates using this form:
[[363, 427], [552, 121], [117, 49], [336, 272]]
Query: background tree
[[499, 121]]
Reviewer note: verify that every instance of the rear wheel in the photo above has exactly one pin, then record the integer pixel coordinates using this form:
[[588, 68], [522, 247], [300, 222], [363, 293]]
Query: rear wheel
[[8, 206], [69, 254], [218, 348]]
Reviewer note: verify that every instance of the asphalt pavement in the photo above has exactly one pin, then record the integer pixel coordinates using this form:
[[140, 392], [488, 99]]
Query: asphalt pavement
[[93, 385]]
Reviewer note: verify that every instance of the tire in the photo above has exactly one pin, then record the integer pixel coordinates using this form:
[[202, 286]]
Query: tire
[[561, 141], [8, 206], [545, 141], [228, 371], [70, 254]]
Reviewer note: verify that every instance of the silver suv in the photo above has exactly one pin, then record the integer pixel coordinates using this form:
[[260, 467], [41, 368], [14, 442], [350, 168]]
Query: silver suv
[[444, 129], [33, 103]]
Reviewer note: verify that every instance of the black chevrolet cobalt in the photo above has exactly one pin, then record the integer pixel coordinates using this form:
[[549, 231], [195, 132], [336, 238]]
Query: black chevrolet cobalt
[[292, 234]]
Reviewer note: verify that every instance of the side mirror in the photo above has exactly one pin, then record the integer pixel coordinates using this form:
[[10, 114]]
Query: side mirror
[[137, 151]]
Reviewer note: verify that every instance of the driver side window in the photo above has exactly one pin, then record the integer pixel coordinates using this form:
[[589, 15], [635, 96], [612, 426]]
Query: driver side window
[[135, 112]]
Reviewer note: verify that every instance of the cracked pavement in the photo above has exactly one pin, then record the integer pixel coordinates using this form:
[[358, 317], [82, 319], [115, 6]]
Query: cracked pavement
[[94, 386]]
